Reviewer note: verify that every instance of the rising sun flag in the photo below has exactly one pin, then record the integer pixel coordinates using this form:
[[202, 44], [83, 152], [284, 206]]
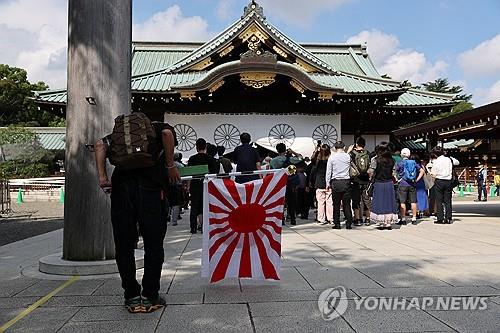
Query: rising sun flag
[[242, 228]]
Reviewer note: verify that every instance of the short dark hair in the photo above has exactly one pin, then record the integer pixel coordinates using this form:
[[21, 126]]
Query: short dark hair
[[361, 142], [221, 150], [339, 145], [437, 151], [245, 137], [211, 149], [281, 148], [201, 144]]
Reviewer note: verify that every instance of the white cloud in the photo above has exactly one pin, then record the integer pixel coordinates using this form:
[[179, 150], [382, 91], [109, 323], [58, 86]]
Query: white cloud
[[400, 64], [483, 60], [297, 11], [380, 45], [225, 9], [33, 35], [171, 25], [489, 95]]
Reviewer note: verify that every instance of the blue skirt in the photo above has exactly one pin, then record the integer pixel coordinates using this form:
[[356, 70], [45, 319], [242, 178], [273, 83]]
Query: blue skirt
[[422, 197], [384, 198]]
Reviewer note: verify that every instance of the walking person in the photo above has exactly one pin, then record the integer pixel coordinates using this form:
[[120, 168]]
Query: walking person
[[285, 158], [323, 192], [422, 192], [482, 180], [409, 173], [361, 201], [195, 186], [138, 186], [339, 181], [383, 198], [496, 180], [442, 171]]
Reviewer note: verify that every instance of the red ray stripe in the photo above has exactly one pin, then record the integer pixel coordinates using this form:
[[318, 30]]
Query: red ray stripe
[[278, 215], [215, 192], [279, 202], [217, 244], [231, 188], [218, 221], [245, 262], [221, 268], [276, 228], [274, 244], [217, 210], [263, 186], [279, 186], [267, 267], [214, 232], [249, 191]]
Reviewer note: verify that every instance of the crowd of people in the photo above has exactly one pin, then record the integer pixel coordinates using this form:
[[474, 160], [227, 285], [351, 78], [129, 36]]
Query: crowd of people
[[338, 183]]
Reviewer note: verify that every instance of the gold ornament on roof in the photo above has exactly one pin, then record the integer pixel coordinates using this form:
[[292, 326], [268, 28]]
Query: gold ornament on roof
[[202, 65], [254, 36], [325, 95], [297, 86], [216, 86], [188, 94], [305, 66], [226, 51], [280, 51], [258, 80]]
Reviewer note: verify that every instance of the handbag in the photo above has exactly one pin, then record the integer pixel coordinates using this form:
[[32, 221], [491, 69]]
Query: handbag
[[454, 177], [428, 180]]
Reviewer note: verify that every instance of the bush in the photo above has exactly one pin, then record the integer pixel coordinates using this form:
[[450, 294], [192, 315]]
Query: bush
[[17, 169]]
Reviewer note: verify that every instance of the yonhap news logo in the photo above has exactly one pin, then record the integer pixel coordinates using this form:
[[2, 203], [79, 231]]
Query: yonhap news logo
[[333, 303]]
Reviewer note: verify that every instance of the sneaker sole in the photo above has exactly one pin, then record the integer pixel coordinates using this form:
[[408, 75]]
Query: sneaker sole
[[152, 308], [135, 309]]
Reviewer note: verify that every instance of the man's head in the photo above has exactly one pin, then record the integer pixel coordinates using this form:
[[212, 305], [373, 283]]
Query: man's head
[[360, 142], [201, 145], [245, 138], [405, 153], [178, 157], [211, 149], [281, 148], [221, 150], [339, 145], [437, 151]]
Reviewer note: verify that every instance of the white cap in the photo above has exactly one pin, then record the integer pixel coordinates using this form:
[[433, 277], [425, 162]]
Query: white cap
[[405, 152]]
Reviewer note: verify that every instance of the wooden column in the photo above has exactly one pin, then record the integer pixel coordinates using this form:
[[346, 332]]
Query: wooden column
[[99, 66]]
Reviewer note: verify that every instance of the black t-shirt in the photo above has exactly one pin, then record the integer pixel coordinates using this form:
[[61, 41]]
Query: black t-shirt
[[246, 158], [202, 159], [157, 175], [384, 169]]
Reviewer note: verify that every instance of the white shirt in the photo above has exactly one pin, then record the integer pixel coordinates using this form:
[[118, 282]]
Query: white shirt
[[338, 167], [442, 167]]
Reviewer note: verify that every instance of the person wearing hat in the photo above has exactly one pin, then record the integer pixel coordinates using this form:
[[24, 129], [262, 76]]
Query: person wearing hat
[[409, 173]]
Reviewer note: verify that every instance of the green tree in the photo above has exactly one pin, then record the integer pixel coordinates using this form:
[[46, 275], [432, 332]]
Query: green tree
[[442, 85], [16, 105]]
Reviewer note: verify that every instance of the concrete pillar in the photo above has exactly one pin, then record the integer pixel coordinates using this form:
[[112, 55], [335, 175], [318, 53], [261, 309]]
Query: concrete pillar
[[99, 66]]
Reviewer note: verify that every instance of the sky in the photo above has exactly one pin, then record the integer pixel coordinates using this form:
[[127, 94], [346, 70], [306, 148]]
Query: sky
[[418, 41]]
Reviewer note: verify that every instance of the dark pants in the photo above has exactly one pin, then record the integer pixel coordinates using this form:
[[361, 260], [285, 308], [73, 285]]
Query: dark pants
[[481, 191], [196, 209], [443, 190], [291, 202], [132, 204], [303, 202], [341, 192]]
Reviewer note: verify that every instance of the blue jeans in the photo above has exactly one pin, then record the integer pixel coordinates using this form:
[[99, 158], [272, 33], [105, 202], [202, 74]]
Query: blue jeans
[[134, 204]]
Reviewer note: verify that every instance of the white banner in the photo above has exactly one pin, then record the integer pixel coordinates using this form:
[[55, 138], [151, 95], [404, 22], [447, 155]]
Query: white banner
[[225, 130]]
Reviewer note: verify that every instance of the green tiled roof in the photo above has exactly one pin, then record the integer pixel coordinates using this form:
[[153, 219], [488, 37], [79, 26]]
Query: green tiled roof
[[162, 81], [151, 59], [52, 141], [356, 84], [418, 98], [52, 96]]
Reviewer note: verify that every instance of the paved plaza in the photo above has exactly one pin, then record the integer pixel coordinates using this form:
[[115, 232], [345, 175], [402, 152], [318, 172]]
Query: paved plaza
[[414, 261]]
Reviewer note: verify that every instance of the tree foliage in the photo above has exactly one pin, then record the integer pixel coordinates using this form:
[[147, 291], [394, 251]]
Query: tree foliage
[[16, 107], [442, 85]]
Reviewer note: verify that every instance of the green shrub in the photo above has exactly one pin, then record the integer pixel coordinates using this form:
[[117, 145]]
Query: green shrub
[[16, 169]]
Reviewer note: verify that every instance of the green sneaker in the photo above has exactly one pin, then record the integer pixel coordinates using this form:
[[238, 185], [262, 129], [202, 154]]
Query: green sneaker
[[134, 305], [150, 305]]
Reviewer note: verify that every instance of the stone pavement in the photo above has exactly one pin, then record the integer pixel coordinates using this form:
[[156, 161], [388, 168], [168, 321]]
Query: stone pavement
[[419, 261]]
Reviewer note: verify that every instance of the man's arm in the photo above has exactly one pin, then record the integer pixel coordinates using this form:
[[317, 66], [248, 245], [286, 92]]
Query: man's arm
[[100, 161], [328, 175], [420, 174], [168, 145]]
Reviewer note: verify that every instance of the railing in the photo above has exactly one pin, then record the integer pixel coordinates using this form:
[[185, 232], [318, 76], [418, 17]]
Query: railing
[[37, 184]]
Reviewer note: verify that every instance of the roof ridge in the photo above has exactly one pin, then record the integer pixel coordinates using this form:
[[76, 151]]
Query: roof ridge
[[432, 93]]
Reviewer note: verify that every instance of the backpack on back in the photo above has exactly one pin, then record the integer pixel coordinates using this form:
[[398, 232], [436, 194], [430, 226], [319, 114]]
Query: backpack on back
[[410, 170], [130, 146], [362, 161]]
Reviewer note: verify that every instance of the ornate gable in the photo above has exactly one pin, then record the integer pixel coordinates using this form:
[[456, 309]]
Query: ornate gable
[[251, 32]]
